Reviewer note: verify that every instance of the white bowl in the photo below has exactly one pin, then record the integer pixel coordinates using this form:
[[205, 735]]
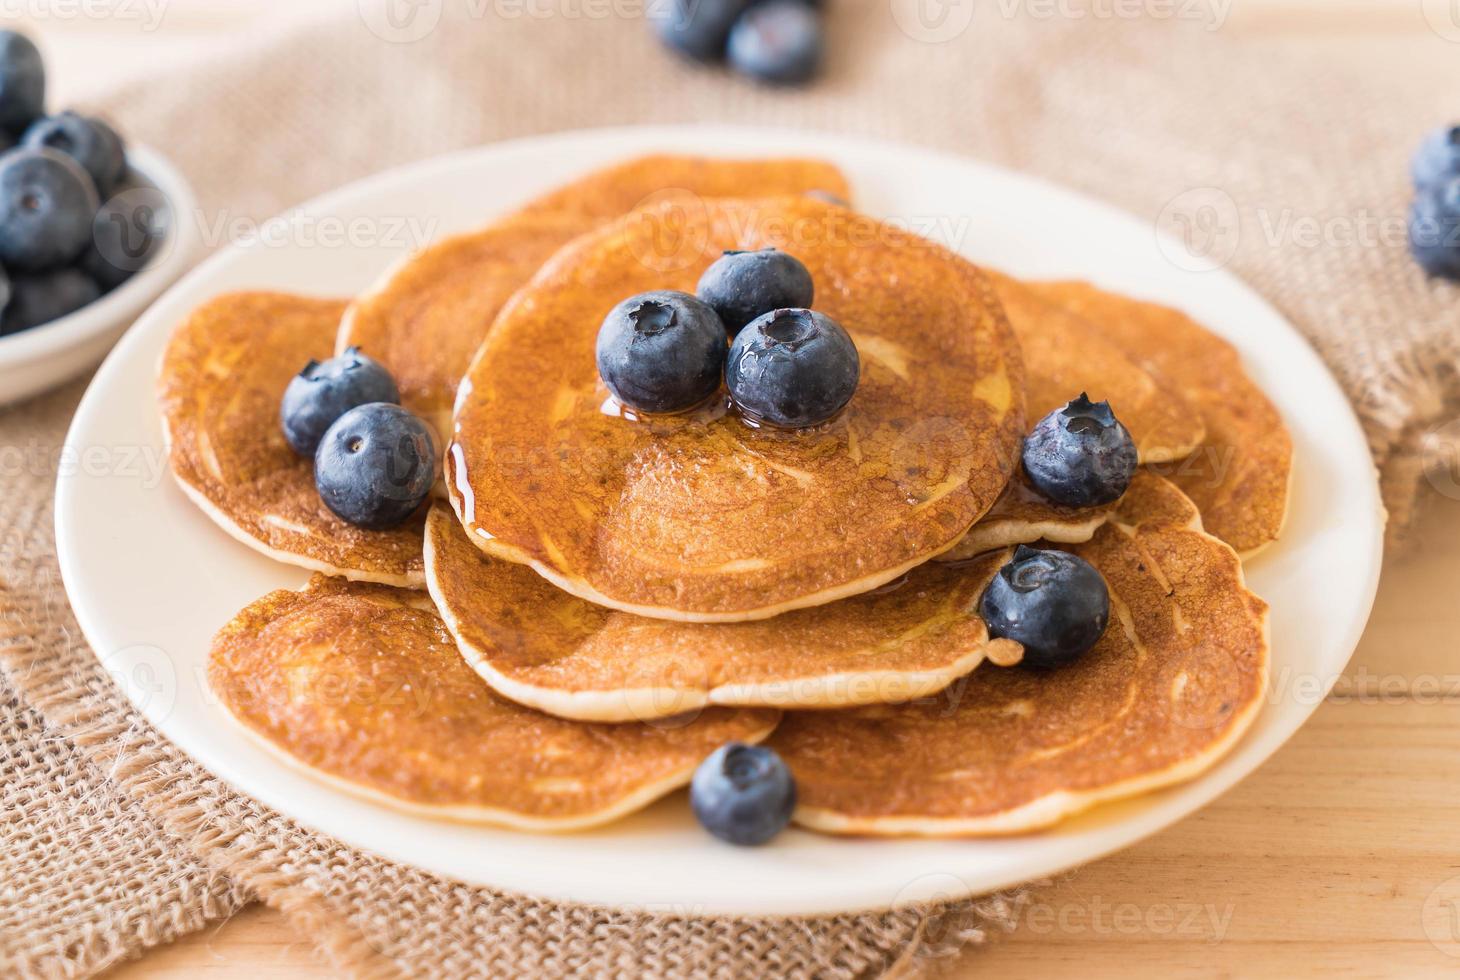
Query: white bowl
[[35, 360]]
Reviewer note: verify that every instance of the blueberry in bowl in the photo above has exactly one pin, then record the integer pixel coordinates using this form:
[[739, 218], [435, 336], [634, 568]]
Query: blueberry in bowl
[[82, 218], [743, 794], [1052, 602], [661, 352], [375, 466], [22, 82], [35, 298], [744, 285], [90, 142], [1080, 455], [47, 203], [324, 390], [792, 369]]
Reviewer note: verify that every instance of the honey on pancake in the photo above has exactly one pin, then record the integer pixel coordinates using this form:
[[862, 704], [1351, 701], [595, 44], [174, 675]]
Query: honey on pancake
[[219, 385], [703, 518], [1172, 685]]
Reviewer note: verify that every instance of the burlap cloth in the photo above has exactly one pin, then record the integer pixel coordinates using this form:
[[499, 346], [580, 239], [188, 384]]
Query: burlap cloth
[[114, 840]]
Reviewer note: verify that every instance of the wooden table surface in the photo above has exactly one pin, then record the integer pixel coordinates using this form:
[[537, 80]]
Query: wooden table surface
[[1339, 855]]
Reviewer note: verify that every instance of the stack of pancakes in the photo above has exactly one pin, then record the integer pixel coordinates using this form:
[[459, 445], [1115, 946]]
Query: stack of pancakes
[[595, 602]]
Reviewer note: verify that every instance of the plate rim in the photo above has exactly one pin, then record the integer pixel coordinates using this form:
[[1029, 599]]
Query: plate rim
[[1155, 814]]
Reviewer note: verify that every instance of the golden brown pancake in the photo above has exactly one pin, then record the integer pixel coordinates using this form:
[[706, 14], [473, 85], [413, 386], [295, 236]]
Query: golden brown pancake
[[220, 383], [1170, 688], [1022, 515], [1064, 356], [1239, 475], [428, 316], [701, 517], [613, 191], [362, 686], [552, 651]]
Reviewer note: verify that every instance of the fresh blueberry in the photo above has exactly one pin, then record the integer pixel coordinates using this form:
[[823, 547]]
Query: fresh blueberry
[[743, 794], [695, 28], [22, 82], [1080, 455], [1434, 229], [1052, 602], [742, 286], [661, 352], [90, 142], [322, 392], [375, 466], [792, 369], [40, 297], [47, 203], [777, 41], [1438, 157], [126, 234]]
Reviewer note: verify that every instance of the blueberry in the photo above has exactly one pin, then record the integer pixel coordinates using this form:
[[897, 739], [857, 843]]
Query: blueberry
[[375, 466], [1080, 455], [792, 369], [1437, 158], [1052, 602], [743, 794], [696, 28], [126, 234], [40, 297], [661, 352], [777, 41], [47, 203], [742, 286], [1434, 229], [322, 392], [90, 142], [22, 82]]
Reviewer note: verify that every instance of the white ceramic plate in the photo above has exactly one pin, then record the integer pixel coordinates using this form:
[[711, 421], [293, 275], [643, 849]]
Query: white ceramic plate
[[151, 578], [35, 360]]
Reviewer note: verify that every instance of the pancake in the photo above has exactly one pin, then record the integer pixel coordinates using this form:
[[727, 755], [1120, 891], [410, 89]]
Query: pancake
[[700, 517], [1022, 515], [615, 190], [361, 686], [426, 319], [1239, 475], [428, 316], [1064, 356], [219, 387], [549, 650], [1169, 689]]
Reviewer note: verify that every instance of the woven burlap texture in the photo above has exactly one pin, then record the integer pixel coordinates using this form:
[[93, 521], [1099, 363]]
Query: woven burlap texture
[[1162, 117]]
